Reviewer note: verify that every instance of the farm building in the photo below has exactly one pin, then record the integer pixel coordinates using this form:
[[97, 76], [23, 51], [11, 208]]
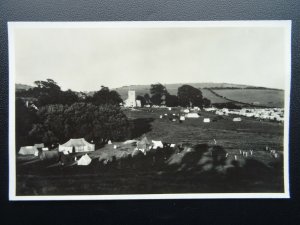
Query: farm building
[[78, 145]]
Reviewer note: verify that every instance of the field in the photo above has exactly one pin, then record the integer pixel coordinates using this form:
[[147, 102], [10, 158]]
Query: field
[[212, 97], [266, 97], [172, 172]]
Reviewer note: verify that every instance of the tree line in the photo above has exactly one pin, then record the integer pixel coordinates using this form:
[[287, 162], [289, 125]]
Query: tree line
[[187, 96]]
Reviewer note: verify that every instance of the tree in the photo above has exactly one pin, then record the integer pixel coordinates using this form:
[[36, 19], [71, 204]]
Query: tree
[[25, 117], [158, 89], [189, 96], [105, 96], [48, 92], [48, 84], [142, 99], [68, 97], [147, 98], [206, 102], [157, 92], [156, 99], [171, 100]]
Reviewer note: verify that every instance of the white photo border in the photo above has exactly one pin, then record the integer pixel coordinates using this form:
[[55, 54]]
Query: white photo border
[[286, 24]]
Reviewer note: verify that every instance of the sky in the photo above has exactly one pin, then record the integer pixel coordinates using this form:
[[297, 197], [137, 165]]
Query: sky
[[84, 58]]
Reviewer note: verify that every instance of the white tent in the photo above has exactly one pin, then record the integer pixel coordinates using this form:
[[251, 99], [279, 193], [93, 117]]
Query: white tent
[[130, 142], [237, 119], [192, 115], [182, 118], [28, 150], [157, 144], [206, 120], [84, 160], [80, 145], [65, 149]]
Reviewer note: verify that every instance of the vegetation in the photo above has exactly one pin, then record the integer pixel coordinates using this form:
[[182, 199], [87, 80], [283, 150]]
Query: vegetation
[[189, 96], [48, 92], [62, 115], [98, 123], [25, 117], [228, 105], [105, 96], [142, 99], [158, 92]]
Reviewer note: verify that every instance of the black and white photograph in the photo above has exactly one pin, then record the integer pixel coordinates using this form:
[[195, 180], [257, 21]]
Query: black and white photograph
[[149, 110]]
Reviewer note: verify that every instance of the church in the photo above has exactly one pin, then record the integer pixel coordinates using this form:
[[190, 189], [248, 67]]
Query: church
[[131, 100]]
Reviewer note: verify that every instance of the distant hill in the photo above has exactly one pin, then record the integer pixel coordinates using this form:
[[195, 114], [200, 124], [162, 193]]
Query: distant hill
[[173, 88], [22, 87], [244, 93]]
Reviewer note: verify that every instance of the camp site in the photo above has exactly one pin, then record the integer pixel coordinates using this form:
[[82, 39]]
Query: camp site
[[141, 108], [156, 149]]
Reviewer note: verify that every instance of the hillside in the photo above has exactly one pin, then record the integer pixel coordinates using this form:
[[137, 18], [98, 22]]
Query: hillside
[[243, 93], [172, 88], [22, 87]]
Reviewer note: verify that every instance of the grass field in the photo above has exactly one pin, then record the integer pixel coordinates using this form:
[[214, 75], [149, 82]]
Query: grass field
[[272, 98], [259, 173]]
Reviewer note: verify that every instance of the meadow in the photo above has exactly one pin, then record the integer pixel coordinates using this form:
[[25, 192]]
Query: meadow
[[266, 97]]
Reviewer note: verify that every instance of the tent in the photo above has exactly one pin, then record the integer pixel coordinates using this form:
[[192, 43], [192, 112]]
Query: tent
[[206, 120], [192, 115], [186, 111], [130, 142], [237, 119], [157, 144], [84, 160], [65, 149], [182, 118], [143, 144], [80, 145], [28, 150]]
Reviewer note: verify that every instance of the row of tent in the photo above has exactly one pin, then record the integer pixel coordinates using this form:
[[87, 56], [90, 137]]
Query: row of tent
[[73, 145], [32, 150]]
